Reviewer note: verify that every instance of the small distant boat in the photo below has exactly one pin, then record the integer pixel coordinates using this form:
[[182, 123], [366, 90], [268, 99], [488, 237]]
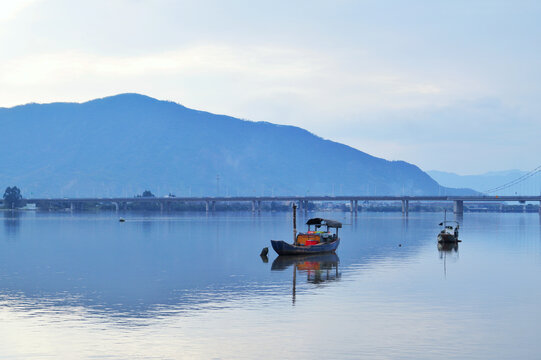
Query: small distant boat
[[310, 242], [449, 233]]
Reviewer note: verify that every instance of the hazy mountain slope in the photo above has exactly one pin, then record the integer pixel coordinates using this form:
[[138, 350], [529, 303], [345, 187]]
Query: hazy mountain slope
[[124, 144], [481, 182]]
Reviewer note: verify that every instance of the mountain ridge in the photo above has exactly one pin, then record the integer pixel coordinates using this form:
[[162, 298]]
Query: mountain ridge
[[120, 145]]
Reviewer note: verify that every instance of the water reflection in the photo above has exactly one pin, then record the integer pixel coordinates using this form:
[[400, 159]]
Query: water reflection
[[319, 268], [11, 222], [146, 225], [156, 286], [447, 249], [444, 247]]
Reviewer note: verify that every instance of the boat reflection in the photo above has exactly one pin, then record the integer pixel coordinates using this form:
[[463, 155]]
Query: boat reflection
[[319, 268], [447, 249], [444, 248]]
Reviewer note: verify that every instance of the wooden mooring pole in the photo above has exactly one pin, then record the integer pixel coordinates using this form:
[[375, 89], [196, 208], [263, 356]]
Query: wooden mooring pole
[[294, 223]]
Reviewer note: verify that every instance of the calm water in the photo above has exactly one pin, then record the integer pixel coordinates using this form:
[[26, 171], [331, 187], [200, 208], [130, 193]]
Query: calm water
[[194, 286]]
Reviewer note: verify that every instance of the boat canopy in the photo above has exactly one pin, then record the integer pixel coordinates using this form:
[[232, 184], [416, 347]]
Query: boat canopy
[[324, 222]]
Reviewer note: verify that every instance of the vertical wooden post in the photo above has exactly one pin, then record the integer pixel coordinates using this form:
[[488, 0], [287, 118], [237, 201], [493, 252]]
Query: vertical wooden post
[[294, 282], [294, 223]]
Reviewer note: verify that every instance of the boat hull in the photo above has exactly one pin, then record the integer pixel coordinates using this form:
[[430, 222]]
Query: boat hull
[[446, 238], [283, 248]]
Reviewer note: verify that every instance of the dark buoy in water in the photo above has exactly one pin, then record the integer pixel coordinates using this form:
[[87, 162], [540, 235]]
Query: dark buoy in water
[[399, 245], [263, 254], [121, 220]]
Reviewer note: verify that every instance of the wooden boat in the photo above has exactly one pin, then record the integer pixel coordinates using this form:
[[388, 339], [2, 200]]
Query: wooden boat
[[310, 242], [449, 233], [283, 248]]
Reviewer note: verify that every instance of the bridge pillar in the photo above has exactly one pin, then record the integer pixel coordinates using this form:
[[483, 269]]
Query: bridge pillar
[[258, 206], [253, 206], [116, 206], [351, 206], [458, 207], [213, 206], [72, 207], [356, 206], [405, 207], [301, 205], [207, 206], [161, 206]]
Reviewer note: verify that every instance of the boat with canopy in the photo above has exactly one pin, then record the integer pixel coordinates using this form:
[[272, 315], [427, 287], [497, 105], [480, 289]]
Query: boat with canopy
[[449, 233], [319, 239]]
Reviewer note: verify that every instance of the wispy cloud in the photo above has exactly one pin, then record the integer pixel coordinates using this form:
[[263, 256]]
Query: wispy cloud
[[9, 9], [266, 71]]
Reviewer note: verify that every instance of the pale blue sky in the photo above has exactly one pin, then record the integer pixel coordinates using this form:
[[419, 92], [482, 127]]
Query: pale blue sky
[[448, 85]]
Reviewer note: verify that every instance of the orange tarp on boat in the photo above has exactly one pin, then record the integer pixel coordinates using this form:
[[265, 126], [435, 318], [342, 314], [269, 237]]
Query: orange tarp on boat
[[308, 239]]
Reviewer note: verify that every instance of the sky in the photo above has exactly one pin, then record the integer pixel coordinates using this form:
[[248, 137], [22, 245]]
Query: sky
[[446, 85]]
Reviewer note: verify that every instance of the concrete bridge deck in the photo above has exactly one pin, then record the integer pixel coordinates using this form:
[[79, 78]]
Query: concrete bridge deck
[[256, 201]]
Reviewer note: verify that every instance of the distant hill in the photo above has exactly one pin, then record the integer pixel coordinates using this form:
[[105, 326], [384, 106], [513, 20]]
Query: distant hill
[[481, 182], [124, 144]]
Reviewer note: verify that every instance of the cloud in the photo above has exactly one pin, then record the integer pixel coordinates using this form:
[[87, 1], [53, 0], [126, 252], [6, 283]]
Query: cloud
[[469, 136], [9, 9], [259, 62], [319, 80]]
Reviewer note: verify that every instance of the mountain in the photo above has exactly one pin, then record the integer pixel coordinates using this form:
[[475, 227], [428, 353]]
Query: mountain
[[482, 182], [124, 144]]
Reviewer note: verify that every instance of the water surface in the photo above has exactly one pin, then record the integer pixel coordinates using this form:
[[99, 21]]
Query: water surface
[[194, 286]]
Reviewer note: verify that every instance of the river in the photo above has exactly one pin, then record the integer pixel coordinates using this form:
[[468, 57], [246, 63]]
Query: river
[[193, 286]]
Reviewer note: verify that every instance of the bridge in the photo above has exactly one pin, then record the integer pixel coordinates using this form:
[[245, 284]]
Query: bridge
[[529, 182], [256, 201]]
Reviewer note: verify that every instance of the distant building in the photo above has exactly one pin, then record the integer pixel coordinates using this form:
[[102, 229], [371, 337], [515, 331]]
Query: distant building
[[29, 207]]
